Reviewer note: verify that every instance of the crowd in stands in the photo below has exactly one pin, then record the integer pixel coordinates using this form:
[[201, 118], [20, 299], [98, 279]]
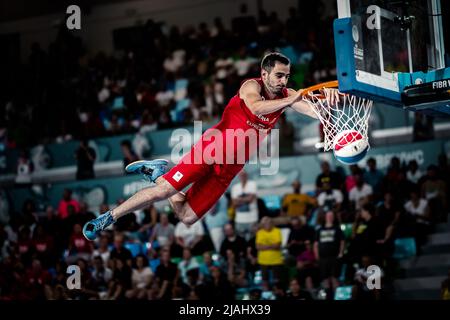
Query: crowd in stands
[[169, 77], [316, 242]]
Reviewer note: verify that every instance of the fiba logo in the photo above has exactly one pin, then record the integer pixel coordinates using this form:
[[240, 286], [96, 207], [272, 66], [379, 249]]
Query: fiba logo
[[355, 33]]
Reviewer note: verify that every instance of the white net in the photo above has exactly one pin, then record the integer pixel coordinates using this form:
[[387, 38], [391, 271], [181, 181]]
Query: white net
[[349, 112]]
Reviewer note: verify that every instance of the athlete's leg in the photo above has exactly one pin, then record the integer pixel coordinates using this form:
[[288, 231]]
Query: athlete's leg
[[179, 205], [138, 201], [145, 167], [143, 198]]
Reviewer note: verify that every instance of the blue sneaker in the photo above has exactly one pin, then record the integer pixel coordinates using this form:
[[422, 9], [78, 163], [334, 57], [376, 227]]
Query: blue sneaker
[[92, 228], [151, 169]]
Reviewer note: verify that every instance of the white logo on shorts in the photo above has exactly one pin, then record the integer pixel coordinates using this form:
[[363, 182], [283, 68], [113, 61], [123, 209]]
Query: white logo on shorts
[[177, 176]]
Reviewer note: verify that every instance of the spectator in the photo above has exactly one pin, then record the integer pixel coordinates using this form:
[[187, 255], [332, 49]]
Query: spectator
[[371, 236], [24, 169], [85, 157], [24, 245], [121, 281], [101, 275], [119, 252], [233, 242], [163, 232], [298, 204], [367, 229], [418, 209], [268, 244], [236, 270], [307, 268], [373, 177], [361, 193], [328, 249], [189, 236], [129, 155], [243, 195], [414, 173], [187, 263], [103, 249], [244, 26], [333, 179], [300, 233], [166, 275], [79, 246], [434, 190], [330, 199], [360, 291], [141, 278], [296, 293], [83, 215], [65, 202], [205, 266], [219, 288], [43, 246], [215, 220], [393, 172], [38, 280], [350, 180]]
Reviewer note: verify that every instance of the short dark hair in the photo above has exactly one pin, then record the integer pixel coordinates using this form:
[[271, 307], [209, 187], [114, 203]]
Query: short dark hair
[[269, 60]]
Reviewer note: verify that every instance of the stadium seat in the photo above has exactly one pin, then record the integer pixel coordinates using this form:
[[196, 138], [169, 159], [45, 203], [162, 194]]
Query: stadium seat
[[343, 293], [135, 248], [404, 248], [154, 263]]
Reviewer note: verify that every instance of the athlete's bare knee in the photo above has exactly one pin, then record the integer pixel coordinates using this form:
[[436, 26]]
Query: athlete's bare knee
[[163, 190], [189, 217]]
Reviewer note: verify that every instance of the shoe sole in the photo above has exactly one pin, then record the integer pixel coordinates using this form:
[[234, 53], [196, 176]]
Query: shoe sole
[[84, 234], [127, 168]]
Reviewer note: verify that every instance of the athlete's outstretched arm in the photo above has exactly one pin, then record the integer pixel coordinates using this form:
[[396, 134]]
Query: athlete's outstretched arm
[[302, 106], [250, 92]]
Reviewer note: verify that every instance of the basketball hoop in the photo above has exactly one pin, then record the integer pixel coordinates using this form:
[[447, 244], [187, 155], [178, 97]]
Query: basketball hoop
[[349, 112]]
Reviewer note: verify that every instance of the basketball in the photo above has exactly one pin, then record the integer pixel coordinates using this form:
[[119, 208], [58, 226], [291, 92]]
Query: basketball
[[350, 147]]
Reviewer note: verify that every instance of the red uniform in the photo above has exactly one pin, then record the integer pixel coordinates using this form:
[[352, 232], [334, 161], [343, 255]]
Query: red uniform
[[218, 156]]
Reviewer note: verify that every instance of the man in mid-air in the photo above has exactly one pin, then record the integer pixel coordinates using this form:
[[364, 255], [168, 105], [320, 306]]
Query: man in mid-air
[[253, 112]]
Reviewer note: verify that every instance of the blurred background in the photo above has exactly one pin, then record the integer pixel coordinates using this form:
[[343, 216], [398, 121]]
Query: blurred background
[[78, 105]]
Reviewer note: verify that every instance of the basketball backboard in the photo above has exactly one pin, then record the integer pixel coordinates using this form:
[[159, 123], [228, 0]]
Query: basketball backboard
[[393, 51]]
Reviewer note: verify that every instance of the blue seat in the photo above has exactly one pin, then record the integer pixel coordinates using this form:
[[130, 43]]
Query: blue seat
[[405, 248], [154, 263], [343, 293], [135, 248]]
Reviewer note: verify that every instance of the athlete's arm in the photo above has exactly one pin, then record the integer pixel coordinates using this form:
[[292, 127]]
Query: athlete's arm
[[250, 92], [301, 106]]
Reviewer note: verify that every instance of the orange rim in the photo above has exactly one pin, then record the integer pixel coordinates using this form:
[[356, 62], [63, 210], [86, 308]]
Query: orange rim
[[329, 84]]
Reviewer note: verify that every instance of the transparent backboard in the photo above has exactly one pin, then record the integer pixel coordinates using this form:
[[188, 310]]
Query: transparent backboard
[[390, 36]]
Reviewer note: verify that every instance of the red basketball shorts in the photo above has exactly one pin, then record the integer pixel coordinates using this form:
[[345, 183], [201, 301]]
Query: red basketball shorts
[[209, 181]]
